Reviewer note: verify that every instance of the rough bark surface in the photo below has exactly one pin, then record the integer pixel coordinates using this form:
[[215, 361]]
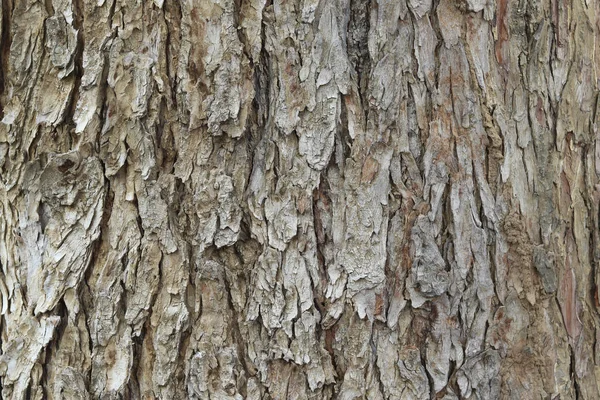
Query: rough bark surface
[[299, 199]]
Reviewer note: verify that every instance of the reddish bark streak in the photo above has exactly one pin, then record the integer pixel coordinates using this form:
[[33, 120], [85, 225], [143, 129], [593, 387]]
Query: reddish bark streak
[[502, 30]]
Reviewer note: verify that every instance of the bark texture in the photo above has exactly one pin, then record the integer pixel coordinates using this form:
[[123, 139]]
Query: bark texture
[[299, 199]]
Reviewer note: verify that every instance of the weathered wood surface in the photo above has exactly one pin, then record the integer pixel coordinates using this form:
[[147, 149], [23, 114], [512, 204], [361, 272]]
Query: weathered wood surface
[[299, 199]]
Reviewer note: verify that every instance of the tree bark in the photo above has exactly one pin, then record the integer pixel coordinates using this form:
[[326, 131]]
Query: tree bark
[[299, 199]]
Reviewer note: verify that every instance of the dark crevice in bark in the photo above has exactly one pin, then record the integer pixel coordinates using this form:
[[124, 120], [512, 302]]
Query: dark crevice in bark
[[431, 382], [435, 24], [168, 68], [447, 235], [32, 151], [103, 93], [109, 197], [184, 340], [237, 336], [414, 131], [132, 389], [277, 156], [172, 16], [343, 141], [375, 329], [138, 218], [78, 16], [573, 374], [166, 151], [5, 43], [329, 340], [321, 202], [111, 14], [85, 297], [260, 118], [357, 36], [122, 300], [260, 102], [138, 343]]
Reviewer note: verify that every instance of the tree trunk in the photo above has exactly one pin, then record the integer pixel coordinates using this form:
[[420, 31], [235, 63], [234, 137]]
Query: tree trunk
[[300, 199]]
